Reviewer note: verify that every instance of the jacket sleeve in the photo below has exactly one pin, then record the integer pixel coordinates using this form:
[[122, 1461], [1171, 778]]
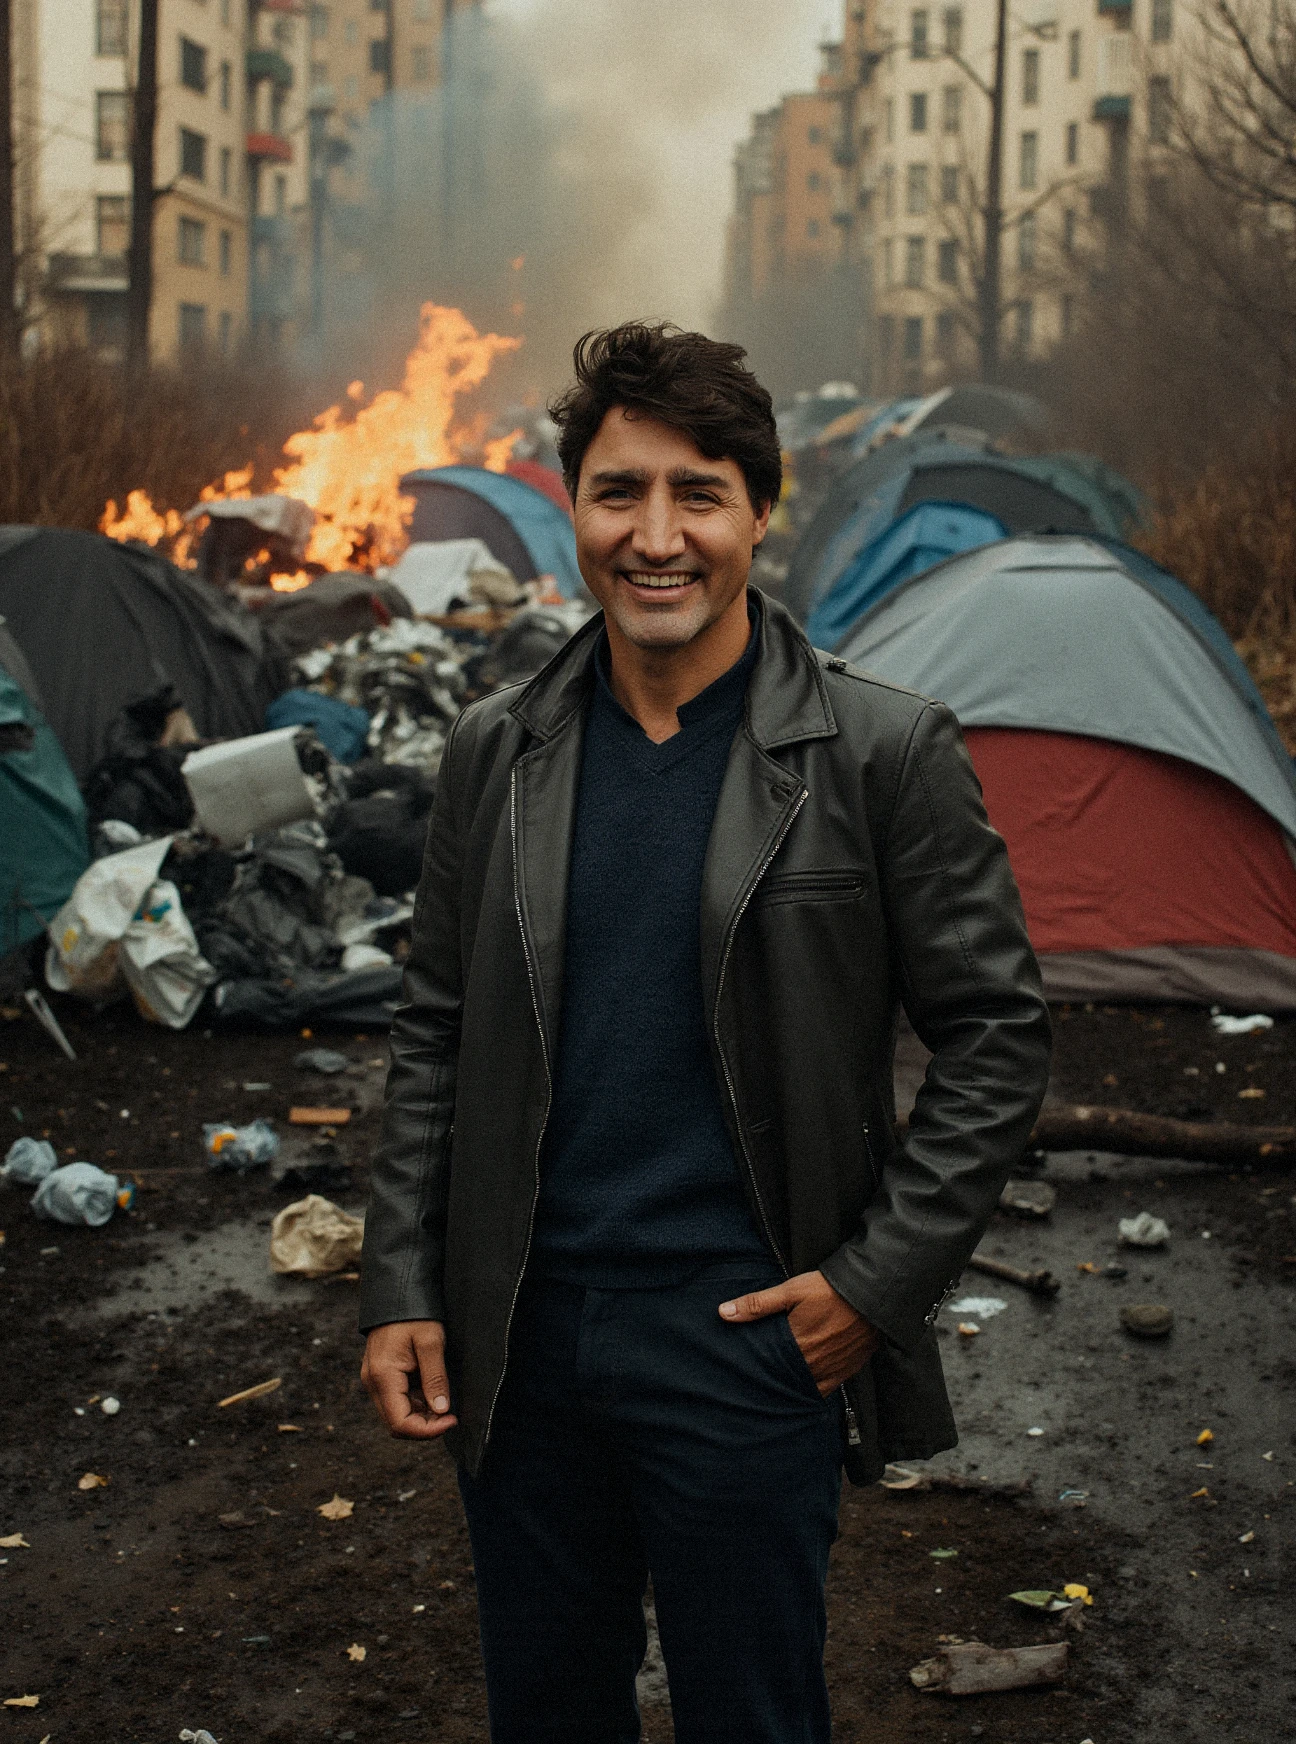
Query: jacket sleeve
[[404, 1239], [971, 988]]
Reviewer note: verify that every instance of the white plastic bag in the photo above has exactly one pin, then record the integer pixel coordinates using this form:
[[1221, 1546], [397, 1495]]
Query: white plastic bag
[[86, 933], [77, 1193], [160, 960], [28, 1161]]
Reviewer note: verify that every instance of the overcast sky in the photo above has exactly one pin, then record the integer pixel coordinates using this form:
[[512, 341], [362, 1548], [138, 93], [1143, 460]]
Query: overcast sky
[[673, 84]]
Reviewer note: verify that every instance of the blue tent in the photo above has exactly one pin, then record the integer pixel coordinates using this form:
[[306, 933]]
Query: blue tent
[[43, 845], [921, 538], [518, 524]]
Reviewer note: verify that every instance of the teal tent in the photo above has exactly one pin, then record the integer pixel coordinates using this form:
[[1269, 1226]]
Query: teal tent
[[43, 845]]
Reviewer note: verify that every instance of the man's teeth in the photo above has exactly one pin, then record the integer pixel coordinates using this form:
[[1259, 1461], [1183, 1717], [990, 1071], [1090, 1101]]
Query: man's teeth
[[674, 578]]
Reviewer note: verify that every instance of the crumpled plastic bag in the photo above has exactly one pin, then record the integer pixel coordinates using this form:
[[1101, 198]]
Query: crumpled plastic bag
[[313, 1237], [28, 1161], [77, 1193], [86, 933], [241, 1147], [160, 960], [1144, 1230]]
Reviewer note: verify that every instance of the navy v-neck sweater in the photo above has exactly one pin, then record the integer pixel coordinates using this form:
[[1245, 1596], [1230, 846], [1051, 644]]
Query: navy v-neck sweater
[[639, 1183]]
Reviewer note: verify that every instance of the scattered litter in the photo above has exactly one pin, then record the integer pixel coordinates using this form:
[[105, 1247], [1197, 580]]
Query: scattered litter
[[338, 1509], [404, 1495], [968, 1328], [257, 1392], [1039, 1283], [240, 1147], [289, 1428], [1075, 1591], [1144, 1230], [1079, 1497], [1035, 1431], [1199, 1495], [1227, 1025], [370, 957], [982, 1307], [356, 1654], [22, 1701], [319, 1116], [1246, 1538], [1087, 1266], [92, 1481], [201, 1736], [899, 1477], [1207, 1435], [1044, 1599], [1147, 1319], [233, 1521], [110, 1406], [79, 1193], [28, 1161], [313, 1237], [15, 1541], [1028, 1198], [418, 1609], [86, 933], [325, 1060], [1268, 1456], [1114, 1272], [942, 1555], [972, 1668], [255, 1086]]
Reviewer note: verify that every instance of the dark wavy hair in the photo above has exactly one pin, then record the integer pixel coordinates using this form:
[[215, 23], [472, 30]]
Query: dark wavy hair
[[697, 385]]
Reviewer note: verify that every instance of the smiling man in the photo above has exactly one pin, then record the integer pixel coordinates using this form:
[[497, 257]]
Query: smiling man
[[643, 1244]]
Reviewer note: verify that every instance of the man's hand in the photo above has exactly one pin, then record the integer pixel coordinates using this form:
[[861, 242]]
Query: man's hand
[[404, 1374], [835, 1341]]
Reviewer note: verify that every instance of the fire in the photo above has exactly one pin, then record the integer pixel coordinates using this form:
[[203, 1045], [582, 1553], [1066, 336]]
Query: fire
[[499, 452], [291, 583], [347, 465]]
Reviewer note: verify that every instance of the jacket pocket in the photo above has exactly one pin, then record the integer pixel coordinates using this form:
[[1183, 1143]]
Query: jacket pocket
[[831, 884]]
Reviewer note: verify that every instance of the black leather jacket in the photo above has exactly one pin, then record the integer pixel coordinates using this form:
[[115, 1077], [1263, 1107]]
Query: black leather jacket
[[850, 869]]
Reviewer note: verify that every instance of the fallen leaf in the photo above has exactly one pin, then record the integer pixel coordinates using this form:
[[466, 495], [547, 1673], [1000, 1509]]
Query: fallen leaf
[[22, 1701], [1205, 1436], [15, 1541], [92, 1481], [356, 1653], [257, 1392], [338, 1509]]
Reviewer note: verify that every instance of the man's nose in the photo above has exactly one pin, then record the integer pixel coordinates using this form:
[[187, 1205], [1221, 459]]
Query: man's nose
[[659, 528]]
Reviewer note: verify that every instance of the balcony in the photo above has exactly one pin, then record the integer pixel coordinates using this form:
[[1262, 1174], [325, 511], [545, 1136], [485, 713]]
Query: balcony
[[1115, 79], [272, 230], [82, 274], [1122, 9], [268, 63], [272, 147], [1111, 108]]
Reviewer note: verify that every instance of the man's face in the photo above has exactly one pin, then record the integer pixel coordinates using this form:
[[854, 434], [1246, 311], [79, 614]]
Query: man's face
[[664, 536]]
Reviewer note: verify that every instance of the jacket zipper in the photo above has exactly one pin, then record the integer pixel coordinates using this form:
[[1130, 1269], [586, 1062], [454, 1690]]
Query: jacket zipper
[[817, 881], [852, 1426], [544, 1121]]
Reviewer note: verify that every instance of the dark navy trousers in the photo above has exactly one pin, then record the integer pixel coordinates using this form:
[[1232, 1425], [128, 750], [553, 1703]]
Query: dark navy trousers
[[637, 1433]]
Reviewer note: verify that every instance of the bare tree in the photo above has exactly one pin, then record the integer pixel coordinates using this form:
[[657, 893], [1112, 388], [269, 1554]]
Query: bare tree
[[139, 295], [8, 257]]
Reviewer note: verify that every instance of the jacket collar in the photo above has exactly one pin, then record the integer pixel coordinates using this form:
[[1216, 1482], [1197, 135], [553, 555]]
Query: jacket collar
[[786, 697]]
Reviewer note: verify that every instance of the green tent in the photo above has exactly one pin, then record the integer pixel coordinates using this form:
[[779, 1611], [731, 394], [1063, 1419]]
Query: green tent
[[43, 846]]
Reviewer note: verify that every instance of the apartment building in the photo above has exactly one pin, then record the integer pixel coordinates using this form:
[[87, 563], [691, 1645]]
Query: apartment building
[[782, 225]]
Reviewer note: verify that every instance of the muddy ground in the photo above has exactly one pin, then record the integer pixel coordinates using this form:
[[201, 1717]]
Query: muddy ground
[[199, 1586]]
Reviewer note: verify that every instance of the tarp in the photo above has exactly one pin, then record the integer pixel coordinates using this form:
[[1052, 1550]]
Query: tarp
[[43, 842], [102, 624], [1147, 801], [521, 526]]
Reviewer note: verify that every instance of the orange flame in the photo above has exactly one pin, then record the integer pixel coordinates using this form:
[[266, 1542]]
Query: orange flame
[[347, 466], [499, 452]]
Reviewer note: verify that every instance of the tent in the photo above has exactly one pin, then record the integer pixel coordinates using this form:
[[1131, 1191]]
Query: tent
[[1147, 801], [43, 845], [1026, 493], [522, 526], [103, 624]]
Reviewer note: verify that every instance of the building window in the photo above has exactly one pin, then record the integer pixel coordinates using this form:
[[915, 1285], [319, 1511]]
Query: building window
[[918, 35], [1028, 162], [953, 30], [915, 262], [319, 72], [280, 194], [193, 154], [913, 338], [888, 120], [193, 65], [380, 56], [949, 184], [1026, 234], [947, 261], [112, 126], [1068, 315], [886, 335], [226, 332], [225, 13], [1073, 55], [1073, 142], [111, 36], [888, 263], [815, 136], [888, 190], [351, 30], [319, 22], [916, 190], [1069, 230], [917, 111], [421, 64], [1162, 20], [812, 227], [193, 326], [226, 166], [814, 181], [1025, 324], [952, 108], [226, 252], [226, 84], [1030, 75], [193, 242], [112, 224], [1160, 108]]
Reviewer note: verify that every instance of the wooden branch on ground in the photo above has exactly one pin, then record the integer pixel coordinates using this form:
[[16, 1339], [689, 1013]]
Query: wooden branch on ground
[[1069, 1126]]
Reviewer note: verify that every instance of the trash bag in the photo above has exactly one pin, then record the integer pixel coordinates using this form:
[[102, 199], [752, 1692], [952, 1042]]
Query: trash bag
[[340, 728], [366, 999], [378, 832], [86, 933], [160, 960], [77, 1193], [28, 1161], [138, 778], [313, 1237], [241, 1147]]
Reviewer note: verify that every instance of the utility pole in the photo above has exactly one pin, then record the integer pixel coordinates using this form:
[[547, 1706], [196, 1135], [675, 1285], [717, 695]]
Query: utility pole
[[991, 274], [139, 295], [8, 258]]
